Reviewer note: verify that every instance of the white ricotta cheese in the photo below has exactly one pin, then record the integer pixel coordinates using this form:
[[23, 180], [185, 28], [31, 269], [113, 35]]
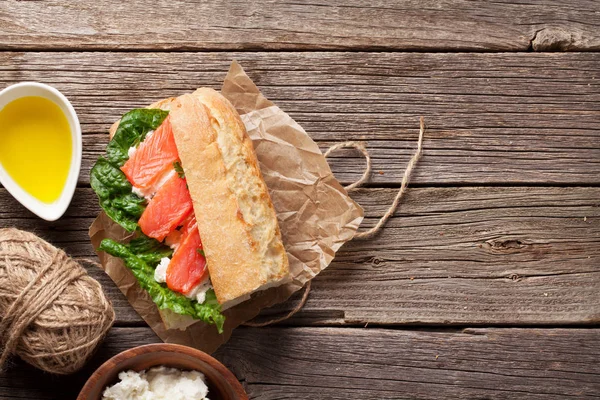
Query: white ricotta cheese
[[160, 273], [158, 383], [138, 191], [131, 151], [198, 292]]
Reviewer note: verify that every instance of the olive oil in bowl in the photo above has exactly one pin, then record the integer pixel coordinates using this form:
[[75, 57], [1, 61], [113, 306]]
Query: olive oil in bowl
[[40, 148], [35, 146]]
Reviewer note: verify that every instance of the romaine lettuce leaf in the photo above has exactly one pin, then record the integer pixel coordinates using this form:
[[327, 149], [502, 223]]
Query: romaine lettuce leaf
[[209, 311], [149, 250]]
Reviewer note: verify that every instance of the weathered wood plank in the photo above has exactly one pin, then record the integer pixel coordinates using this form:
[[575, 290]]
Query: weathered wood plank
[[481, 255], [325, 24], [492, 118], [337, 363]]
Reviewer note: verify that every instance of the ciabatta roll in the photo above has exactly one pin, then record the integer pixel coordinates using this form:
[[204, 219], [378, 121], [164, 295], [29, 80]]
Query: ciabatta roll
[[236, 219]]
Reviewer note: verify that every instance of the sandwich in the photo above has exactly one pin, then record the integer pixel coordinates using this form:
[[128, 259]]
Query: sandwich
[[183, 178]]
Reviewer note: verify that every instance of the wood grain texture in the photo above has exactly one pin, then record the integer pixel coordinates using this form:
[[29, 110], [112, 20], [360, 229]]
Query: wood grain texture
[[500, 249], [335, 363], [491, 118], [463, 256], [323, 24]]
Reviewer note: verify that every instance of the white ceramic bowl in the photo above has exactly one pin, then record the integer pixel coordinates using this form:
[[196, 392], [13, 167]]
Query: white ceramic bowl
[[53, 211]]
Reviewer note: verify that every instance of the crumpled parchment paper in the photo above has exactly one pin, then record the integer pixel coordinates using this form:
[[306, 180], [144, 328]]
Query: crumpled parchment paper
[[315, 214]]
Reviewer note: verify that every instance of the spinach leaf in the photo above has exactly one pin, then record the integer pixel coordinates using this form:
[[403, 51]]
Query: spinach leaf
[[209, 311], [131, 131], [129, 222], [131, 204], [114, 191], [107, 179], [153, 258]]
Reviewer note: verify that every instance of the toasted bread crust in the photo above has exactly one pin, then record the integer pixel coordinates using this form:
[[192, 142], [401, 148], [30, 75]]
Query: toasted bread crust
[[236, 219]]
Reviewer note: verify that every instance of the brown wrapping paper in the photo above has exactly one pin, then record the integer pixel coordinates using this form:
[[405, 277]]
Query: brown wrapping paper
[[315, 214]]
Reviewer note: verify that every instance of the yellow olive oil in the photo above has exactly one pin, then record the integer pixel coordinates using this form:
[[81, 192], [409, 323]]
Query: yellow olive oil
[[35, 146]]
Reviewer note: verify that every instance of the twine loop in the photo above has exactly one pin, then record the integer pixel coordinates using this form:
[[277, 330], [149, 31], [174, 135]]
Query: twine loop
[[360, 147], [403, 186], [53, 313], [361, 181]]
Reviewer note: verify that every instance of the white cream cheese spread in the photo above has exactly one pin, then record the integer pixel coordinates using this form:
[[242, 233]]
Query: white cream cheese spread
[[160, 273]]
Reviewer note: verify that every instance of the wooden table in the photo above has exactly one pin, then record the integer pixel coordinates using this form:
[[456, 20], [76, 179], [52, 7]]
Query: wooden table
[[486, 282]]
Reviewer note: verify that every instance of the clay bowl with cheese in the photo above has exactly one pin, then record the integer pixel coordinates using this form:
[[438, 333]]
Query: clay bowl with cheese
[[222, 384]]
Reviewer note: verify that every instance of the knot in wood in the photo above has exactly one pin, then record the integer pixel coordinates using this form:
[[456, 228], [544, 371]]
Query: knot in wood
[[376, 261], [557, 39], [503, 246]]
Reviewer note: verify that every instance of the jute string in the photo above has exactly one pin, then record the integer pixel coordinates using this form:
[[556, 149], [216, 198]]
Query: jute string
[[53, 314], [361, 181]]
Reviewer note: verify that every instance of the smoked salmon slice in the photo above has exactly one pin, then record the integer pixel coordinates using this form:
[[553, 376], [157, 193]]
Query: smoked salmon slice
[[187, 268], [174, 238], [167, 209], [153, 156], [188, 225]]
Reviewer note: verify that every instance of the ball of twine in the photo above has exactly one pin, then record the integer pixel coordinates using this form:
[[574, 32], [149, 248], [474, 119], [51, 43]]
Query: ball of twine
[[53, 314]]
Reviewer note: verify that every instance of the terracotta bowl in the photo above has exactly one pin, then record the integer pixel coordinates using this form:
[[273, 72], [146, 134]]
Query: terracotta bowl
[[222, 384]]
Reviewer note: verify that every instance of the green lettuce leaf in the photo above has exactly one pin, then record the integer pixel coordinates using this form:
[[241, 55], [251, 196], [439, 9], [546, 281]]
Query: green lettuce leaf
[[131, 204], [144, 244], [149, 250], [209, 311], [127, 221], [132, 130], [107, 179], [114, 191]]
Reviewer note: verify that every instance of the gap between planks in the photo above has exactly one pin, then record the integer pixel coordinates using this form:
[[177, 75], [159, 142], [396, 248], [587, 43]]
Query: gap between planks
[[450, 25], [460, 256], [308, 363], [492, 119]]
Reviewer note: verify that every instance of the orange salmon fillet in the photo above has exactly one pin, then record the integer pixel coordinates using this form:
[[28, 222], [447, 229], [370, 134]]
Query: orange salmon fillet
[[153, 156], [188, 265], [167, 209]]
